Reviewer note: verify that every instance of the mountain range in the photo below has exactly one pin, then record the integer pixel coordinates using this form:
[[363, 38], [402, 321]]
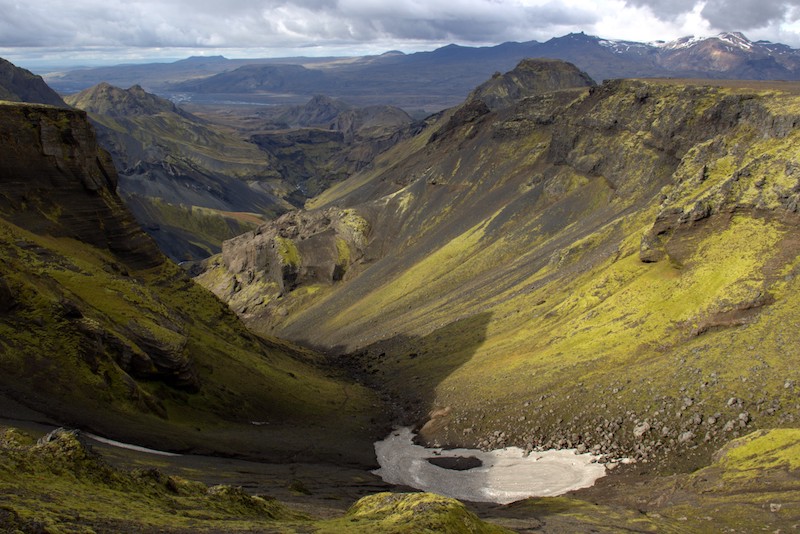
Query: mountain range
[[443, 77], [563, 269]]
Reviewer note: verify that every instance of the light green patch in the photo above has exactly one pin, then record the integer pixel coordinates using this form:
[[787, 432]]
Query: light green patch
[[288, 252], [755, 453]]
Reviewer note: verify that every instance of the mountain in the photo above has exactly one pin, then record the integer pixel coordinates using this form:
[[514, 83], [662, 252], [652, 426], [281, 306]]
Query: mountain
[[443, 77], [530, 77], [733, 55], [258, 78], [100, 331], [20, 85], [611, 268], [190, 183]]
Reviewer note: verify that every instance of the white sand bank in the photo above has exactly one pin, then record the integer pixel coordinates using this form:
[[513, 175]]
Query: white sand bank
[[128, 445], [507, 475]]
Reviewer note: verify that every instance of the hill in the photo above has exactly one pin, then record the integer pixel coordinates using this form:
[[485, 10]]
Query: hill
[[100, 331], [611, 268]]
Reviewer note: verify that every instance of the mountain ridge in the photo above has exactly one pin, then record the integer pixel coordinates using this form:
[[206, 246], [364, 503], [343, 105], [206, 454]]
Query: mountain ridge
[[101, 331], [434, 80]]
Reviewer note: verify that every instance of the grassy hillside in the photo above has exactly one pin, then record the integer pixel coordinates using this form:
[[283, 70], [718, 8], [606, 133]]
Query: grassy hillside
[[100, 331], [611, 268]]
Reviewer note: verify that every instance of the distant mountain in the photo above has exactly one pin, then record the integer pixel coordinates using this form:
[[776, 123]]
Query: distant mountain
[[20, 85], [731, 55], [443, 77], [258, 78]]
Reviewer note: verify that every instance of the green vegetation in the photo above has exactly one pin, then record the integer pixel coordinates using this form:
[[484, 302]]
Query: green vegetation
[[579, 265], [103, 331], [59, 485]]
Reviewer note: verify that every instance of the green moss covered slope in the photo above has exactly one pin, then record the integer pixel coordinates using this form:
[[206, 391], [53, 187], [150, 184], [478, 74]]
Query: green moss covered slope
[[612, 268], [101, 331]]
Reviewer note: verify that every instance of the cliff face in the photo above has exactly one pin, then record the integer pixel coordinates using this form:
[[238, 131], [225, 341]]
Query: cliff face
[[52, 162], [611, 267], [99, 330], [20, 85]]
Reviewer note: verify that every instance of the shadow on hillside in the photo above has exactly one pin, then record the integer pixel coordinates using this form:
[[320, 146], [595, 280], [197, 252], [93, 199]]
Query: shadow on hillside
[[409, 369]]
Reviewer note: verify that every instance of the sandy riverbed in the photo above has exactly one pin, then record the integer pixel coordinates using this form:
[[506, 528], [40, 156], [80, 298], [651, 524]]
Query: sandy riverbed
[[506, 475]]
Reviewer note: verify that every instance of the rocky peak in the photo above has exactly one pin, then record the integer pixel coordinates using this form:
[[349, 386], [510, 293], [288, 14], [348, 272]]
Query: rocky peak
[[20, 85], [108, 100], [529, 77]]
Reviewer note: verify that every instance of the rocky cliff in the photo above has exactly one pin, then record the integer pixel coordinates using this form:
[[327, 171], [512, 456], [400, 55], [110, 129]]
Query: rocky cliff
[[611, 268], [99, 330], [20, 85]]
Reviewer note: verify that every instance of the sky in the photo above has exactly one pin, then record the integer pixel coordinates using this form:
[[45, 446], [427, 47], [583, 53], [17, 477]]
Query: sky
[[44, 34]]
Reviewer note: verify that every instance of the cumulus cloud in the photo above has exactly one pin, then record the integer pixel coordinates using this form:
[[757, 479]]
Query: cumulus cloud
[[726, 14], [275, 27], [274, 22]]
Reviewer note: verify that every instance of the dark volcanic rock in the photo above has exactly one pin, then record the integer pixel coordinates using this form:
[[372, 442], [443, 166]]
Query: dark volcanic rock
[[51, 149], [20, 85], [456, 463]]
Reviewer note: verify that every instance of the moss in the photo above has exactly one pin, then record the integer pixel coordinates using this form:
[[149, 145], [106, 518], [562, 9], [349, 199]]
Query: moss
[[288, 251], [411, 512], [66, 488], [752, 455]]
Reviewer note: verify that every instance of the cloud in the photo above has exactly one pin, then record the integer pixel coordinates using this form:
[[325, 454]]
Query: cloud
[[243, 28], [269, 23], [726, 15]]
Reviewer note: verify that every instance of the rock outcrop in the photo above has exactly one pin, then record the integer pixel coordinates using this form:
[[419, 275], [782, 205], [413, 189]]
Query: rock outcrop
[[49, 150]]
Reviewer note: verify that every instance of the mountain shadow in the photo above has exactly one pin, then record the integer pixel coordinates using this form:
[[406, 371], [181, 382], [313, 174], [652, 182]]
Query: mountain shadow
[[410, 369]]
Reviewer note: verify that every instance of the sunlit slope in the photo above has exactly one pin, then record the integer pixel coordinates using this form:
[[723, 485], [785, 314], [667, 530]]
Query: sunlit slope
[[612, 267], [99, 330]]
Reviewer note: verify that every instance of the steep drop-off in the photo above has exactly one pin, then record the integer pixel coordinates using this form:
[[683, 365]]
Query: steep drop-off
[[20, 85], [612, 268], [99, 330]]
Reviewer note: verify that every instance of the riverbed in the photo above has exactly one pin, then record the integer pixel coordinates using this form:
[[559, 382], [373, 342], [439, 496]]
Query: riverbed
[[499, 476]]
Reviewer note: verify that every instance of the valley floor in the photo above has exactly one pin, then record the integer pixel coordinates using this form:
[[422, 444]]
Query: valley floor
[[39, 485]]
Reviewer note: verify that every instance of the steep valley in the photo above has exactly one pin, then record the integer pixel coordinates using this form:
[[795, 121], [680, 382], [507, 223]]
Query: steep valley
[[610, 268], [551, 264]]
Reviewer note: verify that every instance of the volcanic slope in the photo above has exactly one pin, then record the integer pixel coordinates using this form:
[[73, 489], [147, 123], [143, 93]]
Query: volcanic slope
[[100, 331], [612, 268], [190, 183]]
